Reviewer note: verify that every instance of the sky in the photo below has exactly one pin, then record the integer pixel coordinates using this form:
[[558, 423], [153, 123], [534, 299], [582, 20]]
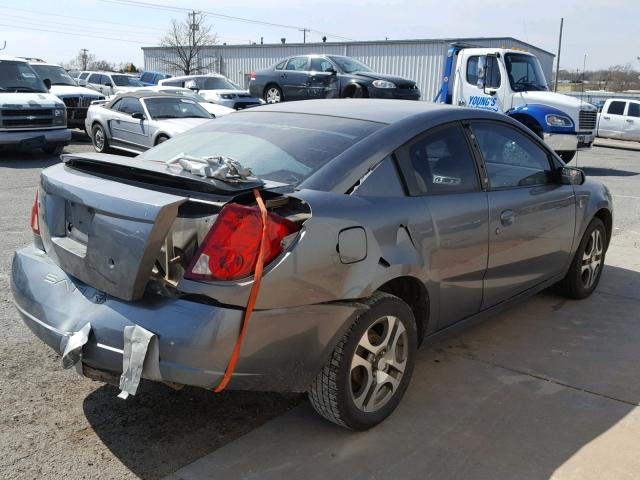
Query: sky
[[114, 30]]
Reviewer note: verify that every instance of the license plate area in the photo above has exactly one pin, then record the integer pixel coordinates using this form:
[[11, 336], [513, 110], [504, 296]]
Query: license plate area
[[77, 221]]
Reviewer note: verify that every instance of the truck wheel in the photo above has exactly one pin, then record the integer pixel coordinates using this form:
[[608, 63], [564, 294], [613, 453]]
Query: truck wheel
[[586, 268], [369, 370], [53, 149], [99, 139], [567, 156]]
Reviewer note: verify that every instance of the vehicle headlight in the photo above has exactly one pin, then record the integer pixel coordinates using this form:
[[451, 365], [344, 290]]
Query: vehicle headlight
[[558, 121], [227, 96], [59, 117], [383, 84]]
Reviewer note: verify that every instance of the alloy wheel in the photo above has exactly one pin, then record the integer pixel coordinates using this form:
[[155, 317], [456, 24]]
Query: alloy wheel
[[273, 95], [592, 259], [99, 139], [378, 363]]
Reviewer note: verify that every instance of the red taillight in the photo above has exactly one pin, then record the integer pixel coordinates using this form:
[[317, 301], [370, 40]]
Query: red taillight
[[229, 251], [253, 75], [35, 223]]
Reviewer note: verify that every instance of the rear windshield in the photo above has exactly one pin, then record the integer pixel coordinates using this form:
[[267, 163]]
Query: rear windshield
[[282, 147]]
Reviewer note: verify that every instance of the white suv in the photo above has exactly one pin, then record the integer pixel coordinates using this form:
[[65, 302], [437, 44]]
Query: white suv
[[76, 99], [30, 116], [109, 83]]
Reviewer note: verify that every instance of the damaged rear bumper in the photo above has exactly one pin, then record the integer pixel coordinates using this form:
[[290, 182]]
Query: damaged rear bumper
[[284, 348]]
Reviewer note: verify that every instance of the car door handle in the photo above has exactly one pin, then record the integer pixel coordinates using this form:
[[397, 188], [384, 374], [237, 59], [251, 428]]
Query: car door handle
[[607, 118], [506, 218], [629, 120]]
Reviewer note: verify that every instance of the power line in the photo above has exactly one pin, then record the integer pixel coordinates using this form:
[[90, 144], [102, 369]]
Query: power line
[[159, 6], [85, 35]]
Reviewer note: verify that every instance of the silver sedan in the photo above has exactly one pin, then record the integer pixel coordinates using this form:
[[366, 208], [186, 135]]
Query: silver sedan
[[136, 121]]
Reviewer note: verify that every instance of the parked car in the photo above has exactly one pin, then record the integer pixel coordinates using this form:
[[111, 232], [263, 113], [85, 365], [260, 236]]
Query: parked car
[[82, 78], [109, 83], [30, 116], [211, 107], [215, 88], [76, 99], [149, 79], [620, 119], [305, 77], [136, 121], [401, 221]]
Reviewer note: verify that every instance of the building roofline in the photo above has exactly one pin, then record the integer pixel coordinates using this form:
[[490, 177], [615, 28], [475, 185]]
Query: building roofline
[[365, 42]]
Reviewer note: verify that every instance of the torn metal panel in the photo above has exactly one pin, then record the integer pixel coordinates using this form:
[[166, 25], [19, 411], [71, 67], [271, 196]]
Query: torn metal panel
[[136, 357], [71, 346]]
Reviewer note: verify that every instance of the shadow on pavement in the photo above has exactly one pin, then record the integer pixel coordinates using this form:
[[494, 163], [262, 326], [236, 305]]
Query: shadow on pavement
[[517, 396], [160, 430], [608, 172]]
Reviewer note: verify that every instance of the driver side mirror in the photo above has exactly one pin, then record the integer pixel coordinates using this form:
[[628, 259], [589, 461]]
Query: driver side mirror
[[108, 84], [332, 71], [47, 83], [481, 72], [138, 115], [571, 176]]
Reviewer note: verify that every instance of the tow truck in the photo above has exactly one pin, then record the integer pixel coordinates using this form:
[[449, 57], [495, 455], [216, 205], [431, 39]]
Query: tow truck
[[511, 81]]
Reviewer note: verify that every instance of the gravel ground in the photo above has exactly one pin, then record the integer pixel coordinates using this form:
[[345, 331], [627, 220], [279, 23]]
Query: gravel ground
[[57, 424]]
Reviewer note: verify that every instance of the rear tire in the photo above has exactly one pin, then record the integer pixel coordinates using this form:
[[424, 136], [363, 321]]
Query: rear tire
[[99, 139], [567, 156], [370, 368], [587, 265], [273, 94]]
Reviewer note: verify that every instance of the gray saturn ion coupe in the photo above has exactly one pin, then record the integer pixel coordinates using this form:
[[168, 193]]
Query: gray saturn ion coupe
[[390, 223]]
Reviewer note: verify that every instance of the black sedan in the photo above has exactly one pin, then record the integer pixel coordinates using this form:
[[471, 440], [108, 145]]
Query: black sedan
[[327, 76]]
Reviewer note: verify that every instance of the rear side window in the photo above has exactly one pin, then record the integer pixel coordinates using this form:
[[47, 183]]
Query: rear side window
[[439, 162], [634, 109], [280, 66], [94, 78], [130, 106], [382, 181], [298, 63], [147, 77], [512, 159], [174, 83], [83, 75], [616, 108]]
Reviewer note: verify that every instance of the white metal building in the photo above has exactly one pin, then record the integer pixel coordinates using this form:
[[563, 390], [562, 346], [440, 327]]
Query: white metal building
[[419, 60]]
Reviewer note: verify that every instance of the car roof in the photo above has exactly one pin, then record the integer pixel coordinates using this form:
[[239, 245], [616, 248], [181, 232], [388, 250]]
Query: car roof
[[373, 110], [199, 75], [12, 59]]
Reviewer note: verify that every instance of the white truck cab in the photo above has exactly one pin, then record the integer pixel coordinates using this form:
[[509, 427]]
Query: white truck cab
[[620, 118], [30, 116], [511, 81]]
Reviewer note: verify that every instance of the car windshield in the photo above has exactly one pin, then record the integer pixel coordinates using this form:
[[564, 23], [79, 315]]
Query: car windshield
[[525, 73], [216, 83], [349, 65], [187, 94], [125, 81], [19, 77], [162, 108], [282, 147], [57, 75]]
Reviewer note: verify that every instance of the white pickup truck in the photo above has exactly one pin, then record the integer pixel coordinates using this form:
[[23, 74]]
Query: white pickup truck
[[620, 118], [30, 116]]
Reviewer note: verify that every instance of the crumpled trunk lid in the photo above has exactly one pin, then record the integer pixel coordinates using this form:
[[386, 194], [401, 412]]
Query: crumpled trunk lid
[[104, 232]]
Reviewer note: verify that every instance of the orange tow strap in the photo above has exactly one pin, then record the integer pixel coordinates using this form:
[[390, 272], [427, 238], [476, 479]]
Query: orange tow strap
[[253, 295]]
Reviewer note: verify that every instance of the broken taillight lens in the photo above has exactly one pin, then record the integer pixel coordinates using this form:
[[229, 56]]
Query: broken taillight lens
[[35, 223], [230, 249], [253, 75]]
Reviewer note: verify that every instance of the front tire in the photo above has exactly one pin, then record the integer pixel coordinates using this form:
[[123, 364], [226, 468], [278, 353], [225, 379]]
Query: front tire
[[586, 268], [369, 370], [161, 139], [273, 94], [99, 139]]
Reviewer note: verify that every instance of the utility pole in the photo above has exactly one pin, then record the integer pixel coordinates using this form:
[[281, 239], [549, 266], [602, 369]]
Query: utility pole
[[85, 58], [304, 34], [193, 27], [555, 88]]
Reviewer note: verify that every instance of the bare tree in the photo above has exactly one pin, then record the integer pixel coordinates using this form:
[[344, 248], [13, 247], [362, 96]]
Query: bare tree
[[186, 39], [81, 61]]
